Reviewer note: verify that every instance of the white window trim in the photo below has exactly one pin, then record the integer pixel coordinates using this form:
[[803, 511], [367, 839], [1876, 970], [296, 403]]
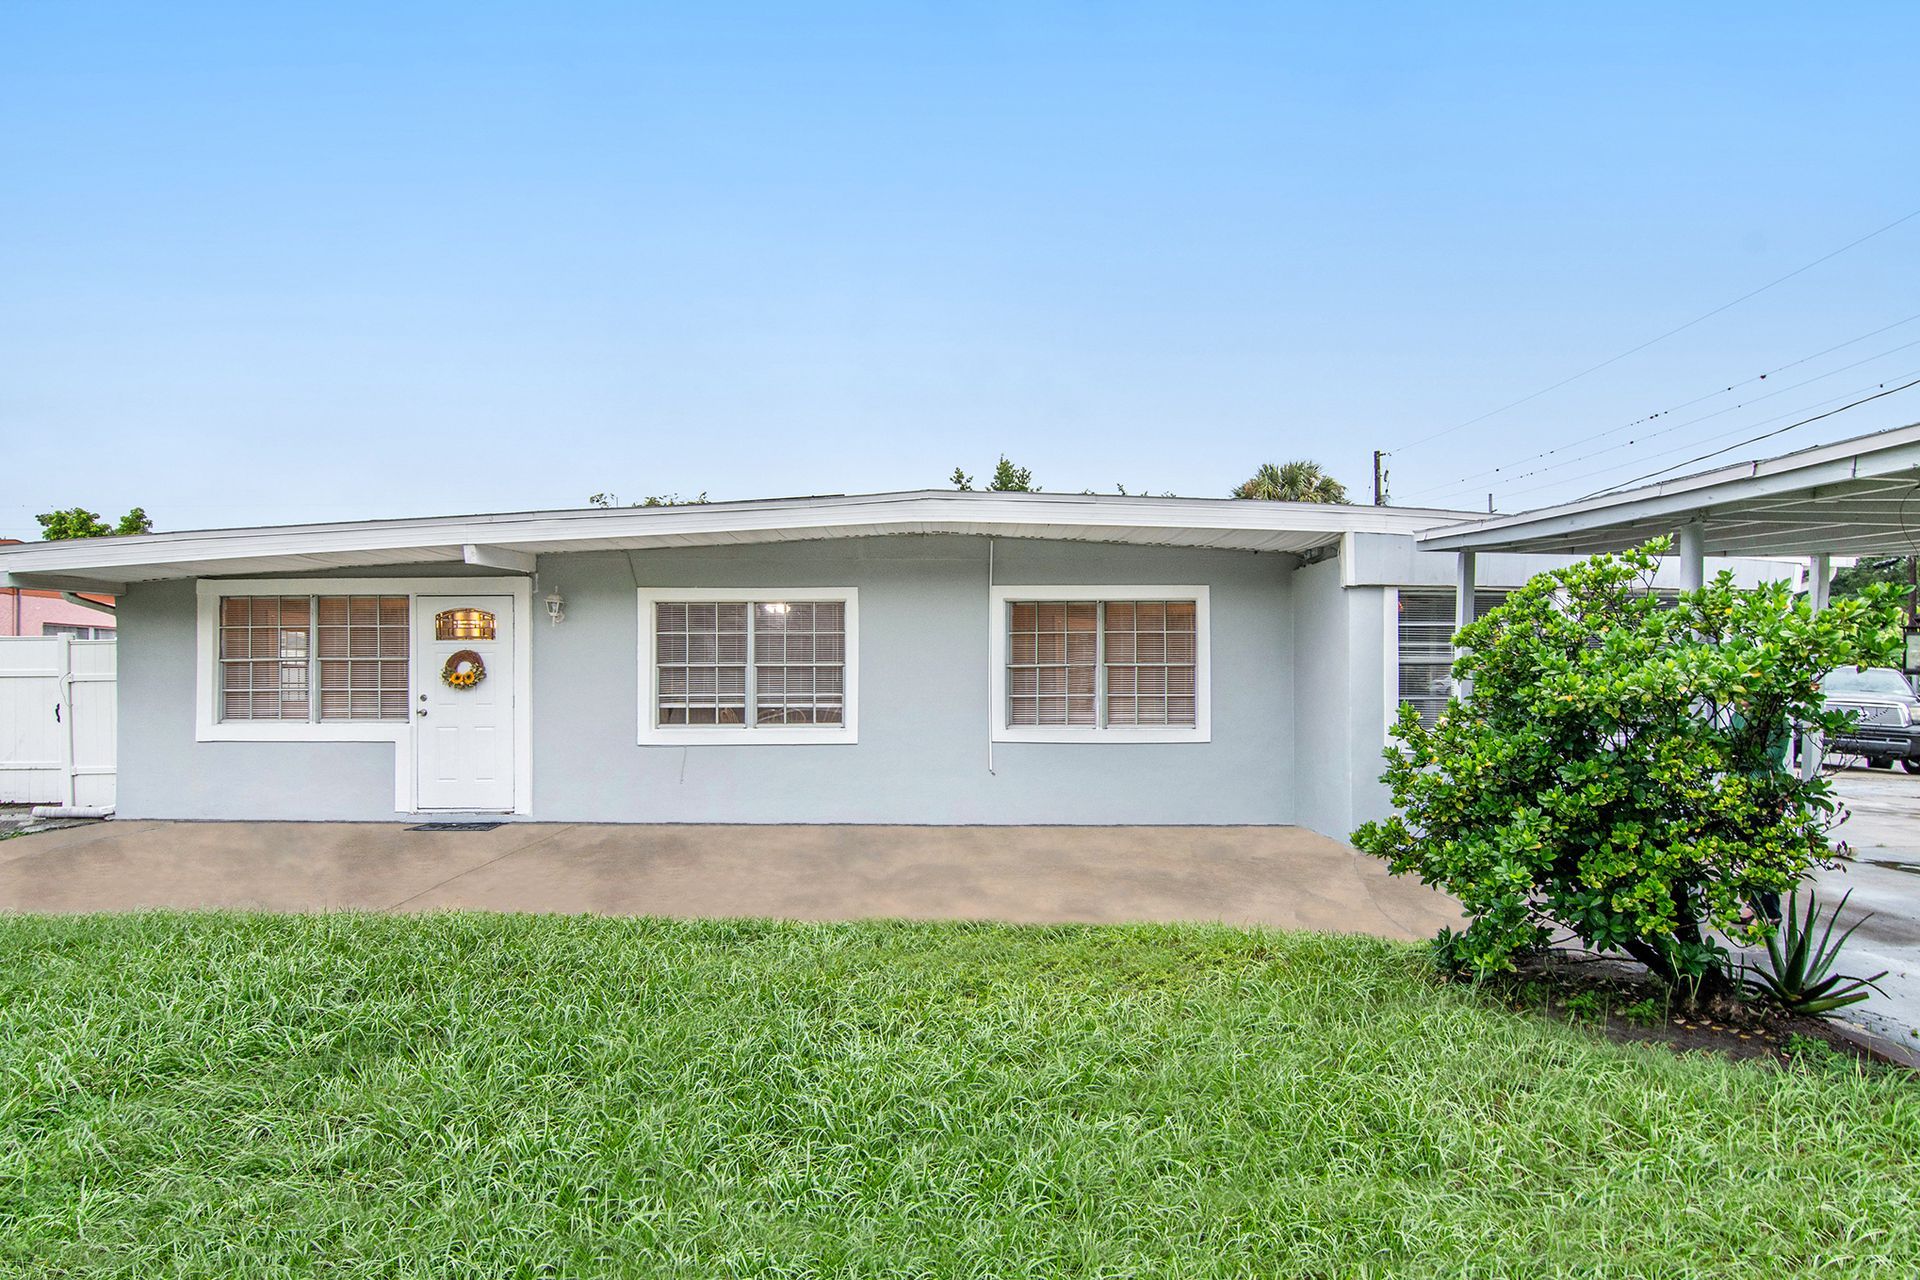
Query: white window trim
[[1201, 730], [209, 727], [655, 734]]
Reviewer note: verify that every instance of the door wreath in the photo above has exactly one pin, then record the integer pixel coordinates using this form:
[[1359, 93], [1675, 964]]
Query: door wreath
[[464, 669]]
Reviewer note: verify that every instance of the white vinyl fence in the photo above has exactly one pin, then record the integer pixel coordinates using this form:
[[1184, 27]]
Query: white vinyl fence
[[57, 721]]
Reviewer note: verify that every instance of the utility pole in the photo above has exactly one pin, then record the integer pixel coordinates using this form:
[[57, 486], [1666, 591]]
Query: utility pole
[[1379, 479]]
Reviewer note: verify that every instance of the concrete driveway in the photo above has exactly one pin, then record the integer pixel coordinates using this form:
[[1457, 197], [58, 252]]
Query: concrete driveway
[[1882, 833], [1282, 876]]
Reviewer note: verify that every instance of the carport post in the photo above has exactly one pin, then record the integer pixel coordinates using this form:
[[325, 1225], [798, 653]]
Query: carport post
[[1693, 556], [1463, 607], [1819, 583]]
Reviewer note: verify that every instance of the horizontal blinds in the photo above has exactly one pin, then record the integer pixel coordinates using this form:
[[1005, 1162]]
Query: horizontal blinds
[[1053, 650], [702, 655], [363, 657], [799, 662], [1426, 646], [1150, 662], [1091, 664], [309, 658], [749, 663], [265, 657]]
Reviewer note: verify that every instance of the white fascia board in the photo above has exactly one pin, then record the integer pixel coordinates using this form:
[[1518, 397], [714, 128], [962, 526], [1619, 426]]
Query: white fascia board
[[64, 582], [447, 538]]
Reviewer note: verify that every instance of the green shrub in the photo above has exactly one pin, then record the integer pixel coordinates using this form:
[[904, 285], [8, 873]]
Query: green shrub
[[1619, 770]]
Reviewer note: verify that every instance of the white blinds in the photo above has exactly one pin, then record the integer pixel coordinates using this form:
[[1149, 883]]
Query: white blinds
[[1426, 646], [313, 658], [797, 651]]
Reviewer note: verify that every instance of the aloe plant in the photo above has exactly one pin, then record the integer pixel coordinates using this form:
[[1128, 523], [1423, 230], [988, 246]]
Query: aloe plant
[[1800, 977]]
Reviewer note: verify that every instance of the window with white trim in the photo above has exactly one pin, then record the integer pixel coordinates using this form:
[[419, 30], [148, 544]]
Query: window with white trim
[[1086, 663], [739, 666], [316, 659], [1426, 646]]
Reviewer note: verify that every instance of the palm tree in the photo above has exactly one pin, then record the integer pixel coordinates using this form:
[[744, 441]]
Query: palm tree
[[1292, 482]]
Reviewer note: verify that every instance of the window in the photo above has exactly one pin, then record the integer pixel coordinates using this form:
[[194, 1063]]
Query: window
[[75, 631], [747, 666], [313, 658], [1077, 664], [1426, 646]]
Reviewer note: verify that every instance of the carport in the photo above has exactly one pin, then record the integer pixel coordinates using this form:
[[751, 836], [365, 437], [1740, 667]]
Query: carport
[[1855, 497]]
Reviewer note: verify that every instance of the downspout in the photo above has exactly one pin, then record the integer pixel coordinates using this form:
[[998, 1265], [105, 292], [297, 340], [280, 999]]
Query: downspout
[[992, 710]]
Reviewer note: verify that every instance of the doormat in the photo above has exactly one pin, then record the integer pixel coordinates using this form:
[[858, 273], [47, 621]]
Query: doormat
[[456, 826]]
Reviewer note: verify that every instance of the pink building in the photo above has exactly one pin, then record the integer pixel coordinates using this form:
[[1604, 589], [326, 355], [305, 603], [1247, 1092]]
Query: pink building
[[49, 613]]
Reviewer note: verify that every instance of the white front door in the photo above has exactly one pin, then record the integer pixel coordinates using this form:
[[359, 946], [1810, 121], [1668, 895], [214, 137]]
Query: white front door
[[463, 731]]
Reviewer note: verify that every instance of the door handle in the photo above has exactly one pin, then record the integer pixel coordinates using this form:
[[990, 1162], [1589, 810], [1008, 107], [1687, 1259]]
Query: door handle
[[420, 711]]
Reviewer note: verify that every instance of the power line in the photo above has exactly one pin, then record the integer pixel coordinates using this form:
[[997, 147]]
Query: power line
[[1675, 408], [1708, 315], [1598, 472], [1765, 435], [1678, 426]]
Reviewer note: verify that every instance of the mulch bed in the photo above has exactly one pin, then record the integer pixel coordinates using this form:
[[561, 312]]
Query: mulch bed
[[1619, 1000]]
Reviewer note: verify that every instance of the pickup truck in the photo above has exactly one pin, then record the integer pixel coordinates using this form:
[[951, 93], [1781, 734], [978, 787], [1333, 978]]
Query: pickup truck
[[1886, 714]]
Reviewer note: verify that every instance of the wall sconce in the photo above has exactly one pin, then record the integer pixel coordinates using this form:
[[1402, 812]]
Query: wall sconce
[[556, 607]]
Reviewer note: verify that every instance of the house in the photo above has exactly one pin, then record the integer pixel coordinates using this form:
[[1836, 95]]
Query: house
[[921, 657], [25, 612]]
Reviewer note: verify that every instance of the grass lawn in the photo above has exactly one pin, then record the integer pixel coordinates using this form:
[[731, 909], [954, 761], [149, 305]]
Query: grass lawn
[[463, 1095]]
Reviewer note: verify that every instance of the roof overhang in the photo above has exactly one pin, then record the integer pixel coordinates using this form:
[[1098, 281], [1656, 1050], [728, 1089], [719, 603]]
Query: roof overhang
[[512, 541], [1855, 497]]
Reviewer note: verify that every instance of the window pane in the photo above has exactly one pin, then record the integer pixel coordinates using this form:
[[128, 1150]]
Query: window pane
[[1052, 652], [1426, 647], [700, 655], [1152, 651], [355, 633], [799, 651], [263, 658]]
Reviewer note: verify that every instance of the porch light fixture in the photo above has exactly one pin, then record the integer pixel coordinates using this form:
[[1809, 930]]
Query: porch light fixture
[[556, 607], [1911, 657]]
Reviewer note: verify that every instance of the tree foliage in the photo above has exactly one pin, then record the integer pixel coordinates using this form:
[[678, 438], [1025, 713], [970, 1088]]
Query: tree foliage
[[1850, 580], [1008, 478], [78, 522], [1297, 481], [1619, 770]]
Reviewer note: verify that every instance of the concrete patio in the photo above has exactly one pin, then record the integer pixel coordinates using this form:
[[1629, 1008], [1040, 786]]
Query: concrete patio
[[1281, 876]]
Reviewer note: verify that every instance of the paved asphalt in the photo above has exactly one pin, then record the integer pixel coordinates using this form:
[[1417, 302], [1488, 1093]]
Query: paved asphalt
[[1882, 833]]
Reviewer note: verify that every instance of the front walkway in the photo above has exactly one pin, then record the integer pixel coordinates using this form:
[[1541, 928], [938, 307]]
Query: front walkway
[[1283, 876]]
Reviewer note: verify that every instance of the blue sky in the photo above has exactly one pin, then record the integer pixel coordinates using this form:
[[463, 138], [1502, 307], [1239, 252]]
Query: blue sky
[[279, 263]]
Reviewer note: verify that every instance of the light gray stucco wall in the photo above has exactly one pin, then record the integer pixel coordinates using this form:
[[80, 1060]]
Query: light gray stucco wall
[[1322, 778], [164, 773], [923, 741], [1340, 713]]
